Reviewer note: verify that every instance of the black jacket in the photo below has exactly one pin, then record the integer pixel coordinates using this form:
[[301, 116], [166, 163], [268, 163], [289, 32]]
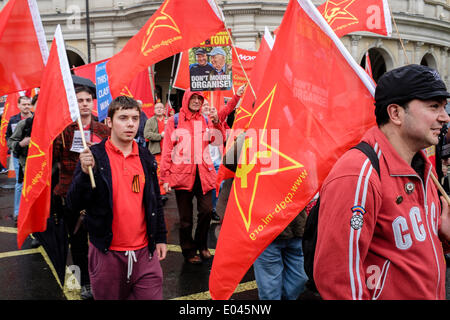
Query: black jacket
[[98, 202], [13, 120]]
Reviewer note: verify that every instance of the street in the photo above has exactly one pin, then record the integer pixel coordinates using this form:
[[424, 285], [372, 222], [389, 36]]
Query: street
[[28, 274]]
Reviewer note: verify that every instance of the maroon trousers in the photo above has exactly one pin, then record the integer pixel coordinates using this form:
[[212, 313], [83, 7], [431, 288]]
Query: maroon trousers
[[189, 245], [122, 275]]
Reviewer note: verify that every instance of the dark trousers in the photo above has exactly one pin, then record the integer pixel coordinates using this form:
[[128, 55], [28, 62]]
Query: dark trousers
[[115, 275], [189, 245], [79, 247]]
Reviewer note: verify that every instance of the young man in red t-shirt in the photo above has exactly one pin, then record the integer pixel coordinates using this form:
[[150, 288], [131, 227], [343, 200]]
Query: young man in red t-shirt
[[124, 213]]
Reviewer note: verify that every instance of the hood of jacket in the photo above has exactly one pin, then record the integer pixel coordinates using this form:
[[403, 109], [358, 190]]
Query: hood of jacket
[[185, 112]]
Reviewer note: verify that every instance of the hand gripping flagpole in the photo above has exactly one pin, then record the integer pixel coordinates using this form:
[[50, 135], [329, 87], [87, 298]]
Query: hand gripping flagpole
[[83, 139], [433, 177]]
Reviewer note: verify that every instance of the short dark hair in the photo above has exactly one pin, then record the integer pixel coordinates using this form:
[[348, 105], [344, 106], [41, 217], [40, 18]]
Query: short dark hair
[[382, 117], [21, 98], [381, 114], [88, 90], [122, 102]]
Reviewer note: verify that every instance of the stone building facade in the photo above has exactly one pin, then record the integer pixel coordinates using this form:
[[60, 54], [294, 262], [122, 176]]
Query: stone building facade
[[424, 26]]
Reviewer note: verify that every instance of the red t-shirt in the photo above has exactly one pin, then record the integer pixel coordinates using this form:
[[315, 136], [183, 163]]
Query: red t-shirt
[[94, 138], [161, 125], [129, 226]]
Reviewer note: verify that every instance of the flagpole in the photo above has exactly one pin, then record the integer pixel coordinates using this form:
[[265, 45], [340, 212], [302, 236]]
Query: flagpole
[[441, 189], [398, 33], [239, 59], [170, 84], [236, 53], [88, 32], [83, 139]]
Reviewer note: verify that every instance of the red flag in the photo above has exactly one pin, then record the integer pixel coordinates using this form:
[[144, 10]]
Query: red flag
[[216, 99], [57, 108], [245, 110], [176, 26], [304, 120], [168, 109], [181, 78], [11, 108], [368, 65], [247, 58], [22, 39], [139, 87], [358, 15], [87, 70]]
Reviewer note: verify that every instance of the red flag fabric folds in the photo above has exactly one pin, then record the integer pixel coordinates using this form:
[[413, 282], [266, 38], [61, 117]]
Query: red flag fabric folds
[[176, 26], [22, 39], [314, 104], [358, 15], [244, 112], [139, 88], [57, 107], [11, 108]]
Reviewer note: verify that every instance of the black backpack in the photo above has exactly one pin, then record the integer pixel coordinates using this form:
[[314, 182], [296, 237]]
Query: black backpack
[[310, 235]]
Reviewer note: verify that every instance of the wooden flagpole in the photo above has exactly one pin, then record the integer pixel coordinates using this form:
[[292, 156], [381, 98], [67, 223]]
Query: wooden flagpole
[[83, 139]]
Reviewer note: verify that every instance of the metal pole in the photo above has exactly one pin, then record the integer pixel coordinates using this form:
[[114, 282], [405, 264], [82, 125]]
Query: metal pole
[[88, 31], [171, 80]]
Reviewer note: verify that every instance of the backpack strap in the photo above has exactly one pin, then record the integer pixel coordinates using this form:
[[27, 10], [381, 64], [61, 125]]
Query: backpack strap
[[175, 119], [367, 149]]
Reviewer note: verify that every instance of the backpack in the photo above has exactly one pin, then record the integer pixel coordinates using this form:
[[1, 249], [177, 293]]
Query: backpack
[[176, 116], [310, 235]]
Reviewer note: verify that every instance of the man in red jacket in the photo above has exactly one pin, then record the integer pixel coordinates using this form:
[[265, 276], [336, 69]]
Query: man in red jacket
[[186, 166], [384, 237]]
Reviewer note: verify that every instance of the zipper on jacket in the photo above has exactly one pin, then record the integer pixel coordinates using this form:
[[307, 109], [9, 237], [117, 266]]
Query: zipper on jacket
[[431, 236], [424, 189]]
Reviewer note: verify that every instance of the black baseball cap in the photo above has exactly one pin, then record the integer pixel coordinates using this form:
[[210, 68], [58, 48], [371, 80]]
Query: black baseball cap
[[407, 83], [200, 51]]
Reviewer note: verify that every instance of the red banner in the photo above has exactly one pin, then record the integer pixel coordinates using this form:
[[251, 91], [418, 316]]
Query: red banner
[[247, 58], [303, 121], [139, 88], [57, 108], [11, 108], [357, 15], [176, 26], [23, 48], [244, 112]]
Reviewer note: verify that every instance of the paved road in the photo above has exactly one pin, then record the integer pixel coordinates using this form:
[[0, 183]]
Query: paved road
[[27, 274]]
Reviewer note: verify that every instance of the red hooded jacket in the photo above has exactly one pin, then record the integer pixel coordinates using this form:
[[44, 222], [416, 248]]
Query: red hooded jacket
[[186, 148], [378, 237]]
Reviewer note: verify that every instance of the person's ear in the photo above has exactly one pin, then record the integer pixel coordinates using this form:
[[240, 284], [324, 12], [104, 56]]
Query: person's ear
[[395, 113], [109, 122]]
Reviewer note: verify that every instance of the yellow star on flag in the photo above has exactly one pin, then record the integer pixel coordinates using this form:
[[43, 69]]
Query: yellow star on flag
[[250, 169], [338, 11]]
